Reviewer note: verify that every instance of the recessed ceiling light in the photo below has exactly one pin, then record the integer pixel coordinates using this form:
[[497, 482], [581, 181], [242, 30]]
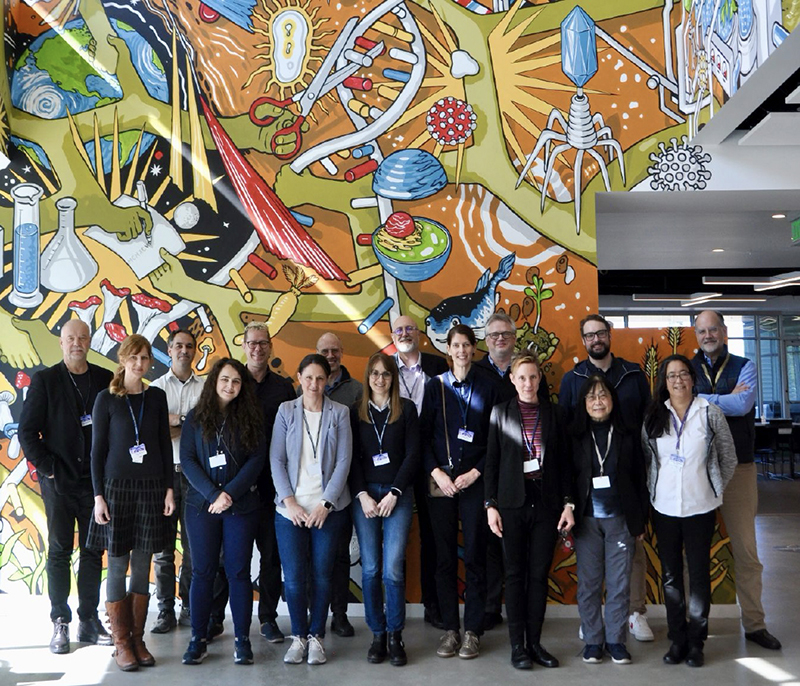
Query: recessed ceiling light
[[779, 215], [718, 250]]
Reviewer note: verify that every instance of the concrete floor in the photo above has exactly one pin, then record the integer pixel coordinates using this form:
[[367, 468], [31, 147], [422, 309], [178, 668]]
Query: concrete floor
[[25, 632]]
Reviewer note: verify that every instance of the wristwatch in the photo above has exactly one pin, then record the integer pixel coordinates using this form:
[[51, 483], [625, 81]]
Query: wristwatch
[[569, 504], [491, 502], [328, 504], [183, 419]]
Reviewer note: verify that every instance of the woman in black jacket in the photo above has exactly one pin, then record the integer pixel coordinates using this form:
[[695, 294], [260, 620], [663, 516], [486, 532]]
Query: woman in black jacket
[[528, 501], [612, 504], [223, 449], [385, 464]]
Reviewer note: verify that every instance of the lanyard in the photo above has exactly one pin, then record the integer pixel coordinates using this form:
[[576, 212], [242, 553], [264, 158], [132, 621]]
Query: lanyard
[[717, 375], [220, 440], [379, 436], [529, 446], [602, 460], [80, 395], [679, 430], [409, 391], [463, 405], [314, 446], [136, 424]]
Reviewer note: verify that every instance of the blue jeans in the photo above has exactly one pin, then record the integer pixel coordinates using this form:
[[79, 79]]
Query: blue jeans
[[208, 533], [384, 539], [307, 556]]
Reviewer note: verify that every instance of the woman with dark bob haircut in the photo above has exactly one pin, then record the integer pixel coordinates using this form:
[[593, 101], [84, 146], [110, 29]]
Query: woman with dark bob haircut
[[611, 509], [222, 454], [690, 459], [312, 445]]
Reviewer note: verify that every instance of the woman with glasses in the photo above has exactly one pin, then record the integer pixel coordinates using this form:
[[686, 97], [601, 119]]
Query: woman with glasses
[[455, 429], [312, 446], [611, 509], [528, 502], [222, 455], [690, 459], [385, 463]]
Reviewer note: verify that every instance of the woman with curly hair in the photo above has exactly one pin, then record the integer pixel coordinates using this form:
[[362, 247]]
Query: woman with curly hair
[[222, 454]]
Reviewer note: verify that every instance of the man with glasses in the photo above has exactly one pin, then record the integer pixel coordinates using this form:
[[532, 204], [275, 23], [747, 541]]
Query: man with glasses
[[416, 368], [183, 390], [633, 392], [729, 381], [501, 339]]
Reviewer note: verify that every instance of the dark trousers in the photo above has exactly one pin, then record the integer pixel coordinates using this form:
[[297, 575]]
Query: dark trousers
[[340, 583], [694, 534], [529, 542], [164, 562], [208, 533], [62, 511], [427, 553], [494, 575], [445, 513]]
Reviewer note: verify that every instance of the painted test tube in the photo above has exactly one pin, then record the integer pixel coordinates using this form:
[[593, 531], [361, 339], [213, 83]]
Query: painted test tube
[[389, 93], [357, 83], [360, 108], [389, 30], [241, 286], [329, 165], [368, 44], [358, 58], [373, 317], [360, 170], [262, 266], [364, 239], [363, 203], [397, 75], [303, 219], [403, 56], [363, 151]]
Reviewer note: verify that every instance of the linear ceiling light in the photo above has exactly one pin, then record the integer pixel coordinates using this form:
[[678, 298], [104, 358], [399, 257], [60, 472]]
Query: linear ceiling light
[[735, 280], [779, 281]]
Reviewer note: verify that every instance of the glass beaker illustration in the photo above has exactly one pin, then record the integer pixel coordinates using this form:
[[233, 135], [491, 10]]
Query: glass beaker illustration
[[67, 265], [26, 245]]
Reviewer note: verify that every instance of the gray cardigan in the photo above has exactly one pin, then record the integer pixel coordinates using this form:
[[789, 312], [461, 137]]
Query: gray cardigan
[[335, 451], [720, 453]]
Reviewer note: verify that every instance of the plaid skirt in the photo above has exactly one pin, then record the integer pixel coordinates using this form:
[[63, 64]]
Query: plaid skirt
[[137, 521]]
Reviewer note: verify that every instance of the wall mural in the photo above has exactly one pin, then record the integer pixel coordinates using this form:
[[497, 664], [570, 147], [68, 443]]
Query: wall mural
[[329, 165]]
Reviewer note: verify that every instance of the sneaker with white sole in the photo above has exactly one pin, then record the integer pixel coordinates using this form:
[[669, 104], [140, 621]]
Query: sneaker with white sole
[[296, 655], [619, 653], [316, 653], [639, 628]]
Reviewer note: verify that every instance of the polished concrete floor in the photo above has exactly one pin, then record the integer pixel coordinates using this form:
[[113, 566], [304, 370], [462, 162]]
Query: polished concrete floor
[[25, 659]]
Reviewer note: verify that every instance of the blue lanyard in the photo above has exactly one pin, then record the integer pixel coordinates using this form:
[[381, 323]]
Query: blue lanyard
[[679, 430], [375, 428], [141, 414], [529, 446], [314, 446], [463, 404]]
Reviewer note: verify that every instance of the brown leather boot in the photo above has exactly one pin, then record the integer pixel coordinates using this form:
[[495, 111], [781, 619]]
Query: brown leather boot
[[140, 601], [119, 616]]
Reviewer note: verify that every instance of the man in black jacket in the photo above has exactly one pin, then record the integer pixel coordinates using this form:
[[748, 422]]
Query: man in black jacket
[[55, 431], [416, 368], [633, 392]]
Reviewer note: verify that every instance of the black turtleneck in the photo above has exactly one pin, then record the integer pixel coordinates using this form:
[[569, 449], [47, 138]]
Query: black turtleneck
[[604, 502]]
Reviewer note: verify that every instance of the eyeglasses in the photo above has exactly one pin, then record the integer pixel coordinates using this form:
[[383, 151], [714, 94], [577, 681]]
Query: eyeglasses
[[672, 376], [599, 335], [400, 330], [505, 335], [375, 374], [257, 344], [597, 396]]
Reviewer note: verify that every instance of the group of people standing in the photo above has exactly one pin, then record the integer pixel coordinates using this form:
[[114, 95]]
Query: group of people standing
[[238, 458]]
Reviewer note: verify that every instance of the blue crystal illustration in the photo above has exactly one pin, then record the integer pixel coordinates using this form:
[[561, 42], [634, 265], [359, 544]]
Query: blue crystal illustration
[[578, 47]]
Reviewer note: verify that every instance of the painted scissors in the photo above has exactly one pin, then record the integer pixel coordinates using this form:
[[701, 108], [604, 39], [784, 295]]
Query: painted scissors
[[322, 82]]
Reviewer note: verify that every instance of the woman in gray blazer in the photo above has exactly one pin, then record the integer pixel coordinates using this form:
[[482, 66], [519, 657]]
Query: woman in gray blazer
[[310, 457]]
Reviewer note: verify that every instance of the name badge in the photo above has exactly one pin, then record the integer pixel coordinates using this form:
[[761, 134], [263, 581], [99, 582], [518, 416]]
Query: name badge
[[677, 459], [86, 420], [465, 435], [599, 482], [137, 453], [218, 460], [531, 465], [380, 459]]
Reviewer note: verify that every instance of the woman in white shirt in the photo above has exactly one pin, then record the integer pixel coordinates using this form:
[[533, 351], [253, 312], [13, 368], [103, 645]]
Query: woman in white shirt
[[310, 458], [690, 459]]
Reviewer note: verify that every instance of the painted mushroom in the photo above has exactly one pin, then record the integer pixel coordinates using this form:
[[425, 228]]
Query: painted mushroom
[[112, 300], [85, 310], [21, 382]]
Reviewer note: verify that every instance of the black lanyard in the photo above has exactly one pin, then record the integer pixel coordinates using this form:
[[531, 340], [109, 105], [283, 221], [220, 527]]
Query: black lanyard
[[314, 446], [462, 404], [679, 430], [379, 436], [84, 401], [136, 424], [410, 391]]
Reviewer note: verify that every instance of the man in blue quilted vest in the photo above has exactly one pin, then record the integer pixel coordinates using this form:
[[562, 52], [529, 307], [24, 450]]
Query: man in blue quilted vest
[[729, 381]]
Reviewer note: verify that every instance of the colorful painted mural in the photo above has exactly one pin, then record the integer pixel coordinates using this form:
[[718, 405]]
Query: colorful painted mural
[[329, 165]]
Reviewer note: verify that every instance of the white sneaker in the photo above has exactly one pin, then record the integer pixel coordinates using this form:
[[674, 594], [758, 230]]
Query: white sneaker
[[296, 654], [640, 629], [316, 653]]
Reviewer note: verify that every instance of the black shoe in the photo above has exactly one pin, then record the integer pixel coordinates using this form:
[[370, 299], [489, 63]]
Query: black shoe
[[434, 617], [764, 638], [397, 649], [520, 658], [541, 657], [341, 626], [272, 632], [93, 631], [165, 622], [491, 620], [676, 654], [377, 651], [215, 628], [242, 651], [694, 658], [196, 652], [59, 644]]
